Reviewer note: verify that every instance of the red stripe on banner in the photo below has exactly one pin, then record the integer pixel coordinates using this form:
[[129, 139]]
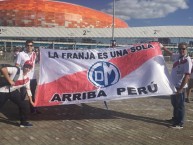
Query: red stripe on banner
[[78, 82], [131, 62]]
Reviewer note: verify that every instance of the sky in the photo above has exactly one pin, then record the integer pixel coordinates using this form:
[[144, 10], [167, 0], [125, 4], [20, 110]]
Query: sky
[[141, 13]]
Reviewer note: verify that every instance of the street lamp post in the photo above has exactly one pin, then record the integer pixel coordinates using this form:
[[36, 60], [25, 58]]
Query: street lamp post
[[113, 43], [113, 25]]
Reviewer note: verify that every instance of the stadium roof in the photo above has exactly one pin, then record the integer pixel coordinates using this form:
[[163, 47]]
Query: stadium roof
[[132, 32], [50, 13]]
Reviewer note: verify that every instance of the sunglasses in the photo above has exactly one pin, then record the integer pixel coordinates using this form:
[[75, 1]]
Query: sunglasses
[[182, 48], [30, 45]]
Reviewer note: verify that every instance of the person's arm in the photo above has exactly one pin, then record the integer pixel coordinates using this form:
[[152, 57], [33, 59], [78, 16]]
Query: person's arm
[[184, 82], [166, 50], [6, 75], [29, 94], [30, 100]]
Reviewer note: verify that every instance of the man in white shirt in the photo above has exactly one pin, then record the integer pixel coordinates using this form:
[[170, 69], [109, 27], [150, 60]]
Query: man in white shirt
[[180, 74], [23, 56], [11, 92]]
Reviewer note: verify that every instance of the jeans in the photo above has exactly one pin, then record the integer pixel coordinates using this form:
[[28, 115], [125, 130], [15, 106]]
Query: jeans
[[15, 97], [177, 102]]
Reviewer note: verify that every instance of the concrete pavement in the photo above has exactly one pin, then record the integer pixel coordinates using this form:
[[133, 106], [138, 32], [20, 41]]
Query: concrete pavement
[[127, 122]]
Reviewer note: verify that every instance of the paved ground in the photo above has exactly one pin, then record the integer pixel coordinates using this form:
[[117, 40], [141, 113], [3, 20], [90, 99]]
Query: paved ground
[[127, 122]]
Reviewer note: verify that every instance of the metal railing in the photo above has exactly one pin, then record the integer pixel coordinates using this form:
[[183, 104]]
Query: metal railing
[[6, 57]]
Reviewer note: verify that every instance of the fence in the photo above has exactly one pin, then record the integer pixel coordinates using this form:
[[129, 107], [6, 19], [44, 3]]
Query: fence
[[6, 57]]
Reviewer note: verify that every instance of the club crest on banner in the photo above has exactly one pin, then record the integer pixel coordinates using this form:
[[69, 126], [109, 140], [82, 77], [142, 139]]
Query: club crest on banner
[[103, 74]]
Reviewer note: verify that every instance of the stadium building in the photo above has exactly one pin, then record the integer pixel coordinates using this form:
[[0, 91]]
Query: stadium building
[[42, 13], [62, 25]]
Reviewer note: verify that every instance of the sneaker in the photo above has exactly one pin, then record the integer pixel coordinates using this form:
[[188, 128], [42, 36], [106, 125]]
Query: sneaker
[[25, 124], [177, 126]]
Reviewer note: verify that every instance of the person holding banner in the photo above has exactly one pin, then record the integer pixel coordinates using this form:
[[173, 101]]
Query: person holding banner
[[23, 56], [11, 92], [180, 74]]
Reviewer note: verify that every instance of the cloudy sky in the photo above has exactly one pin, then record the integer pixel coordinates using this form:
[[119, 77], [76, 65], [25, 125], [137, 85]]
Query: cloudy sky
[[140, 13]]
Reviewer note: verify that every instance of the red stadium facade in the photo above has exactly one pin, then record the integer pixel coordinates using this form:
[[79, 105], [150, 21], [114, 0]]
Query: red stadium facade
[[44, 13]]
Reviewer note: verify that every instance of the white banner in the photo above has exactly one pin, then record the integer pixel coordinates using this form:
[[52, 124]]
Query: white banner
[[82, 76]]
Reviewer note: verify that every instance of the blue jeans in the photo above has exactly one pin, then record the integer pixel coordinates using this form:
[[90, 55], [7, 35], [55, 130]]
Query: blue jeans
[[15, 97], [177, 102]]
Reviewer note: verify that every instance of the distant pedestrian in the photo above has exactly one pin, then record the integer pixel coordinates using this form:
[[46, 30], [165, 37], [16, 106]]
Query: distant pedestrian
[[180, 74], [1, 53]]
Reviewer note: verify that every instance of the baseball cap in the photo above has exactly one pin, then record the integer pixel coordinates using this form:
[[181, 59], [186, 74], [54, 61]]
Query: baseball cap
[[28, 63]]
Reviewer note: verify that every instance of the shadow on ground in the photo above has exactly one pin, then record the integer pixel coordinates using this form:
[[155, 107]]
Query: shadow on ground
[[72, 112]]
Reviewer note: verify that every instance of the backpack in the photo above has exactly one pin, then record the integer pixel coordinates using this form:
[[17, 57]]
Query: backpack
[[3, 80]]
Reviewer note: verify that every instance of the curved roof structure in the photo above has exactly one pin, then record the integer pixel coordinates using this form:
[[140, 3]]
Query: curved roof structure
[[45, 13]]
